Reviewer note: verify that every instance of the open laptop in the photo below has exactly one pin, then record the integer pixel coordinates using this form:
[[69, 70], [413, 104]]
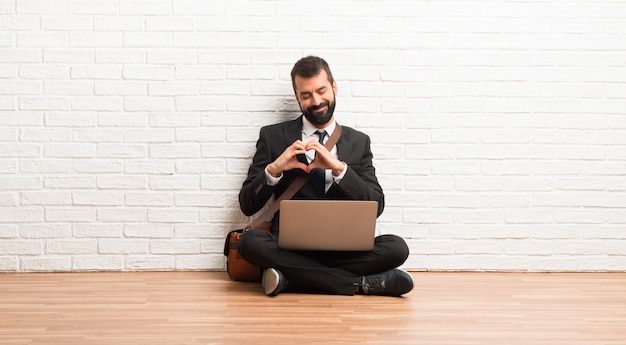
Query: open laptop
[[346, 225]]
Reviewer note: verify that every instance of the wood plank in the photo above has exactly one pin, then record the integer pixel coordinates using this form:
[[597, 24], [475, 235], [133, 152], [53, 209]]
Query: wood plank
[[207, 308]]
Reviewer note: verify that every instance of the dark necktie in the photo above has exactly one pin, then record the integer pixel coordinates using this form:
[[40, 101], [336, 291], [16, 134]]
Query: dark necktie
[[319, 175]]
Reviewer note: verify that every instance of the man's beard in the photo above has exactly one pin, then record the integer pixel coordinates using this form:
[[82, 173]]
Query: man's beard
[[320, 118]]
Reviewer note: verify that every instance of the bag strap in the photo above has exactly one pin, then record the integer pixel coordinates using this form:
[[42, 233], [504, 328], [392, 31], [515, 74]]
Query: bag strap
[[294, 187]]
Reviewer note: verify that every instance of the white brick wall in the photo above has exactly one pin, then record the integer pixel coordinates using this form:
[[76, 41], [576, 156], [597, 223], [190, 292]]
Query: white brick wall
[[498, 127]]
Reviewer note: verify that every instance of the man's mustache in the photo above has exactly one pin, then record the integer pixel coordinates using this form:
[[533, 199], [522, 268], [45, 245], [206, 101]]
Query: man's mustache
[[318, 107]]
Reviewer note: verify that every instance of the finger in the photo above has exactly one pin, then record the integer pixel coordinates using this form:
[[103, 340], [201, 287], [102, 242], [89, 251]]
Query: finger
[[316, 164], [309, 168], [301, 166], [313, 145], [299, 145]]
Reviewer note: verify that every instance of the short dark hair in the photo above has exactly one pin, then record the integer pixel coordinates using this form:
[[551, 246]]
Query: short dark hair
[[309, 67]]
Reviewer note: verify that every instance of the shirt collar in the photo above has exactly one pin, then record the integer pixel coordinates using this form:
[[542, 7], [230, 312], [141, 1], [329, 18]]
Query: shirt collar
[[309, 129]]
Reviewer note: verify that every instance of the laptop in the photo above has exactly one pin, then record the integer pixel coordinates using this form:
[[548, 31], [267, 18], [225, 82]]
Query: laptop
[[333, 225]]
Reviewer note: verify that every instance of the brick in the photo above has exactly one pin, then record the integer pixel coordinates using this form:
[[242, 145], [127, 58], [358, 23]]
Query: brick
[[168, 24], [70, 214], [121, 151], [121, 215], [172, 56], [99, 103], [198, 231], [122, 247], [8, 231], [96, 72], [162, 231], [147, 72], [65, 23], [19, 183], [45, 264], [161, 183], [199, 262], [172, 216], [95, 39], [202, 199], [44, 103], [148, 135], [75, 150], [46, 198], [76, 182], [99, 135], [108, 230], [100, 7], [45, 71], [98, 166], [17, 88], [97, 263], [120, 88], [503, 263], [119, 23], [75, 56], [20, 55], [149, 263], [122, 182], [19, 150], [529, 216], [120, 55], [72, 247], [122, 119], [147, 39], [203, 166], [9, 264], [162, 151], [67, 119], [145, 7], [150, 167], [97, 198], [169, 88], [161, 247], [61, 87], [47, 230]]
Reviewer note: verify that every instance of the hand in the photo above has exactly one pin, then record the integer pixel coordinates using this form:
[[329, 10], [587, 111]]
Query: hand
[[323, 158], [288, 160]]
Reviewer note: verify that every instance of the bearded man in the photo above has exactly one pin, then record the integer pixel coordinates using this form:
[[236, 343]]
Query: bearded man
[[285, 149]]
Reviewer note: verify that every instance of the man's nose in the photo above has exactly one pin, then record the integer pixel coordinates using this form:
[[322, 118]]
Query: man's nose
[[317, 100]]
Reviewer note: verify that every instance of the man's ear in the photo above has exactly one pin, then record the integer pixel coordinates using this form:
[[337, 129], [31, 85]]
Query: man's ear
[[335, 87]]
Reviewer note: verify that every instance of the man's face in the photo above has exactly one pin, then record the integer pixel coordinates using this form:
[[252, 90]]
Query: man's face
[[316, 97]]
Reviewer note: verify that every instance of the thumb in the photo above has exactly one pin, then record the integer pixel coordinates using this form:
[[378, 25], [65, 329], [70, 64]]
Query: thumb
[[312, 166]]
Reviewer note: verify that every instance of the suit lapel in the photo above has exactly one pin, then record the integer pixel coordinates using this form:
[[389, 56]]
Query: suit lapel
[[292, 133]]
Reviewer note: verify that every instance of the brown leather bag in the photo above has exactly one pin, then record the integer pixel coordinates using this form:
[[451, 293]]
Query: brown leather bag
[[237, 267]]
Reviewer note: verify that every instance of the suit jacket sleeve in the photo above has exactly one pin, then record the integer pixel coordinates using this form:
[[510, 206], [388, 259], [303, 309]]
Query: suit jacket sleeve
[[255, 191], [360, 182]]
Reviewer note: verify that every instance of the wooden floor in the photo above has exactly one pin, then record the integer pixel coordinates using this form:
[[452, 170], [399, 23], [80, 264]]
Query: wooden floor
[[207, 308]]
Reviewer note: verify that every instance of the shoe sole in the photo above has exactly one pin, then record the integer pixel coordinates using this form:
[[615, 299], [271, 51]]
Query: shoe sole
[[270, 281]]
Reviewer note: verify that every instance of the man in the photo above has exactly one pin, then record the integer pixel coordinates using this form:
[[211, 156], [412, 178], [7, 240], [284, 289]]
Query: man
[[282, 151]]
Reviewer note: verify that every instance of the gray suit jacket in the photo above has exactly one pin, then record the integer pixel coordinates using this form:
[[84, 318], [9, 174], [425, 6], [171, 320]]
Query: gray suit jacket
[[353, 148]]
